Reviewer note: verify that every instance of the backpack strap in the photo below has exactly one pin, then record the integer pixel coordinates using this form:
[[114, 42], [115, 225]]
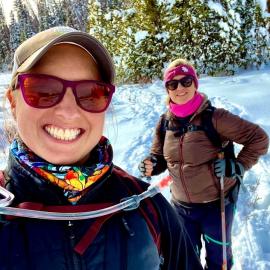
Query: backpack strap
[[227, 150], [149, 213], [208, 126], [163, 126]]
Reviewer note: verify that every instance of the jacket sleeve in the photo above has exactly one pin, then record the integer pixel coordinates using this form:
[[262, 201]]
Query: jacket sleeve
[[254, 139], [176, 246], [157, 149]]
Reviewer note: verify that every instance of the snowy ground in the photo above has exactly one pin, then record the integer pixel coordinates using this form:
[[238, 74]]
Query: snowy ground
[[130, 124]]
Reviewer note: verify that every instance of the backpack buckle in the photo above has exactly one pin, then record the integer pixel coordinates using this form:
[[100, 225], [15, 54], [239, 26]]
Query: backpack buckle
[[135, 204]]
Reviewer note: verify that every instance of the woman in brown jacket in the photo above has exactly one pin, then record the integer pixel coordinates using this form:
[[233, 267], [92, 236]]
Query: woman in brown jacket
[[197, 165]]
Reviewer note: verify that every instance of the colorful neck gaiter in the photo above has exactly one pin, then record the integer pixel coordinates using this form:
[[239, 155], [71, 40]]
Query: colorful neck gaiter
[[74, 180], [183, 110]]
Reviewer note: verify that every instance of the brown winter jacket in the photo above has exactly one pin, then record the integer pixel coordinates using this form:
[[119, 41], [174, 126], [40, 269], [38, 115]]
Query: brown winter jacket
[[189, 158]]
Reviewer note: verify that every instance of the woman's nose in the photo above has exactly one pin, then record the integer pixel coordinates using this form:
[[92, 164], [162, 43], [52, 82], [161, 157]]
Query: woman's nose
[[68, 107], [179, 86]]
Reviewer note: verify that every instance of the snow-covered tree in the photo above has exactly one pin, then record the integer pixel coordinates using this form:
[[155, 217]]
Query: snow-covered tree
[[146, 56], [24, 20], [4, 41], [185, 30], [75, 13], [132, 35], [214, 35], [79, 14], [228, 57], [14, 39], [143, 36], [255, 46], [107, 24], [43, 15]]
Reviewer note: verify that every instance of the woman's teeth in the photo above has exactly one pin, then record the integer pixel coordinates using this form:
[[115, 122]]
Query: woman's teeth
[[67, 134], [182, 94]]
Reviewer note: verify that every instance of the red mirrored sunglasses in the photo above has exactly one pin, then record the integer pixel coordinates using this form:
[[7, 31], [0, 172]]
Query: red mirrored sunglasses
[[44, 91]]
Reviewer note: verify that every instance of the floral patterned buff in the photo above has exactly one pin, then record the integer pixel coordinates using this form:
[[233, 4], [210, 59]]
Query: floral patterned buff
[[74, 180]]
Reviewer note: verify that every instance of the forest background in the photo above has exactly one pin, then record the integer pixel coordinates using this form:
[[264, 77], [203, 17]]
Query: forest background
[[218, 37]]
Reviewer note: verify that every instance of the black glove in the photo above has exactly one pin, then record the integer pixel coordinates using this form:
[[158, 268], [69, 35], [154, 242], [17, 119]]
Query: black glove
[[141, 166], [229, 168]]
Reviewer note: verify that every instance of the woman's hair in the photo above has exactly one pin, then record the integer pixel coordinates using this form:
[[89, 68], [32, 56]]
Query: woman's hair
[[9, 125]]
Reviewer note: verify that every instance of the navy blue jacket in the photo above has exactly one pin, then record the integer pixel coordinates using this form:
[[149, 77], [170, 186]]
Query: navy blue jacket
[[124, 241]]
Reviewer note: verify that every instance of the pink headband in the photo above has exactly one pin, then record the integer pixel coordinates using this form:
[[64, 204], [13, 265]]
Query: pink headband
[[181, 70]]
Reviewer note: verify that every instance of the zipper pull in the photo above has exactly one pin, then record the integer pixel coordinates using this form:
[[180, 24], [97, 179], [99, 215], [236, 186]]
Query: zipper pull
[[126, 226], [70, 228]]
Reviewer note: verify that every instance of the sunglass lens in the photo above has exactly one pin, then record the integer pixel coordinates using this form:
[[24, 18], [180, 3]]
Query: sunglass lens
[[93, 96], [41, 92], [172, 85], [186, 81]]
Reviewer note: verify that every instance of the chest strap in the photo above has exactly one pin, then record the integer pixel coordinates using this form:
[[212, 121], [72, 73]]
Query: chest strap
[[188, 128]]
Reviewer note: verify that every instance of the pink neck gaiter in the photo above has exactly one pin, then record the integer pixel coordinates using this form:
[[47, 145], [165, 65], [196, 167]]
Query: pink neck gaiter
[[183, 110]]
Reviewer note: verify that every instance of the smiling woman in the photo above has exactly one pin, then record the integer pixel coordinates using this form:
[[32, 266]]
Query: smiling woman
[[61, 87], [194, 141]]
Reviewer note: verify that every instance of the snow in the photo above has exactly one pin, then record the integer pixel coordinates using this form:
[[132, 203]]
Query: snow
[[130, 124], [169, 3], [217, 7], [163, 35], [224, 26], [108, 16], [262, 3], [130, 11], [140, 35]]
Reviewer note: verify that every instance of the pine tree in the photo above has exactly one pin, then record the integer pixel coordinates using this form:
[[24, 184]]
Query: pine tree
[[229, 58], [14, 29], [107, 25], [74, 13], [97, 21], [183, 23], [24, 20], [57, 16], [43, 15], [146, 57], [254, 47], [262, 37], [4, 41], [79, 10], [216, 36]]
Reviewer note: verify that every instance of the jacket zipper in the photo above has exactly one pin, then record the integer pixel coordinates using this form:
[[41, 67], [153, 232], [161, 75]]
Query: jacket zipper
[[182, 177], [76, 264]]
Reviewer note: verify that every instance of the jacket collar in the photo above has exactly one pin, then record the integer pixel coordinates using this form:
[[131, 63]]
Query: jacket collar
[[28, 186]]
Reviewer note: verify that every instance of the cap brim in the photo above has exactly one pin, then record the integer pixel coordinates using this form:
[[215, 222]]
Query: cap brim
[[92, 45]]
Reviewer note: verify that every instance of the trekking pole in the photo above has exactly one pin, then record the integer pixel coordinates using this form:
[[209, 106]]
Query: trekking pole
[[223, 223]]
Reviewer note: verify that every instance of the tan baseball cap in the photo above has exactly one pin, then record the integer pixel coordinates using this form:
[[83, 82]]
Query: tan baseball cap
[[32, 49]]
